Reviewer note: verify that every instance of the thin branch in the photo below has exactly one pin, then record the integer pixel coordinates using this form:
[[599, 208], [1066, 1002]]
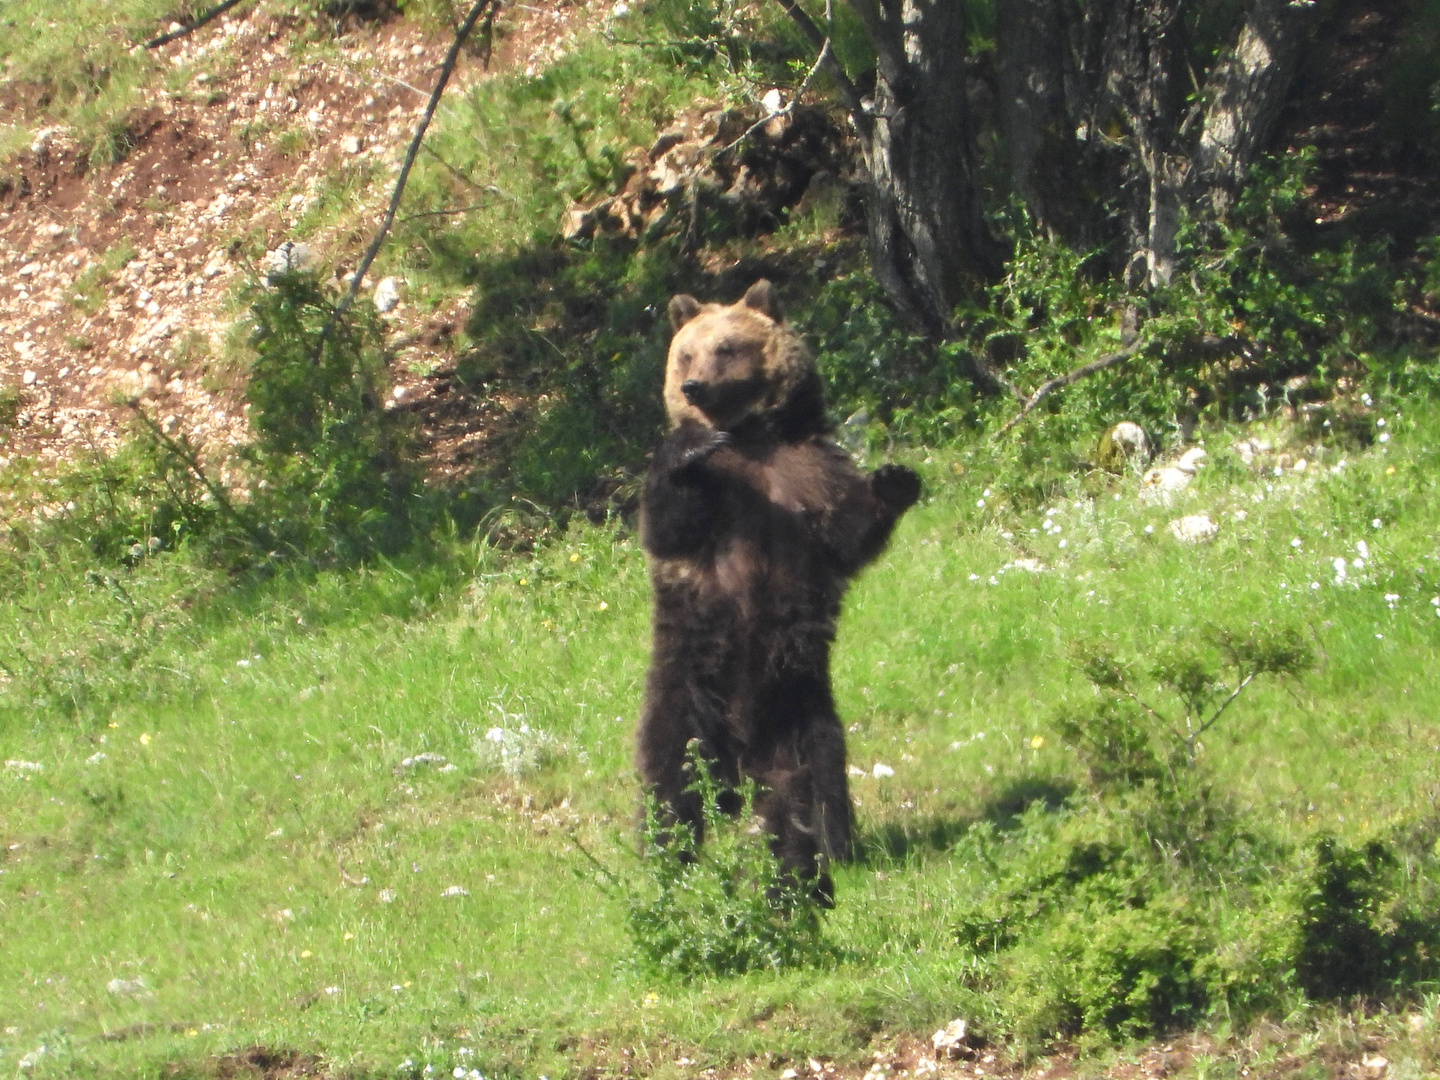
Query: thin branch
[[182, 451], [399, 82], [463, 176], [605, 870], [851, 96], [442, 213], [446, 69], [1225, 705], [1062, 381], [191, 27], [788, 109]]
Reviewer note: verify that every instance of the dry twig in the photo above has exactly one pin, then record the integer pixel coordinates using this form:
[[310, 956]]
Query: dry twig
[[1061, 381]]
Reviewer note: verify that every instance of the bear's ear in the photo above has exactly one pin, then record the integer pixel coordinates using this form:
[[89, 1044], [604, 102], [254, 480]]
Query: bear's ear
[[683, 308], [761, 296]]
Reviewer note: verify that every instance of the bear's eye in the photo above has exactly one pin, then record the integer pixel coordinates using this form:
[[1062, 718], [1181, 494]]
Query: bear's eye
[[726, 349]]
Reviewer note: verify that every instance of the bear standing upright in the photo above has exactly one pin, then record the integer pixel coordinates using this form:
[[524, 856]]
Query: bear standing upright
[[754, 520]]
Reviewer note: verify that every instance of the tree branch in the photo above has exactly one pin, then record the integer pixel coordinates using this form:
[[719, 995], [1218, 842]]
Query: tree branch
[[1061, 381], [1224, 705], [848, 93], [788, 109], [446, 69], [189, 28], [182, 452]]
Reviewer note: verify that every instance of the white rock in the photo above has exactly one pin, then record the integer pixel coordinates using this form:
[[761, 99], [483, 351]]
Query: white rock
[[1168, 478], [127, 987], [1193, 528], [881, 771], [352, 144], [387, 294], [1191, 460], [427, 758], [949, 1041], [456, 890], [289, 258], [1033, 566], [773, 100], [1131, 439], [28, 378], [30, 269]]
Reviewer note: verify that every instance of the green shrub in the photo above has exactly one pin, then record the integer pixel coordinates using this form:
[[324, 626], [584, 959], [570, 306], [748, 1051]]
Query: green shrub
[[1367, 923], [723, 908], [331, 476]]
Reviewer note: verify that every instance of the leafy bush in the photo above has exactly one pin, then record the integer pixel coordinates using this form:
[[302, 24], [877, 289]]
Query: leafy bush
[[1150, 901], [724, 908], [1367, 922], [332, 481]]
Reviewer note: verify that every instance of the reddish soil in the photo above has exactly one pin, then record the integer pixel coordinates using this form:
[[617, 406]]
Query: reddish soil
[[113, 278]]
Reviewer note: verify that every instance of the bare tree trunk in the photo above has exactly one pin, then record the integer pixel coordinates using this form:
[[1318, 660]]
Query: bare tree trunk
[[1038, 73], [927, 233], [1143, 84], [1245, 94]]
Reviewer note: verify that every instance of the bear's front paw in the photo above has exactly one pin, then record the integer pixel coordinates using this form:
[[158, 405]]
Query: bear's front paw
[[896, 486], [702, 450]]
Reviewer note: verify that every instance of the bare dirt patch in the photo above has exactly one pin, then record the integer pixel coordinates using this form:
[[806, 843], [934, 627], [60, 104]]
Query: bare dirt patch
[[117, 281]]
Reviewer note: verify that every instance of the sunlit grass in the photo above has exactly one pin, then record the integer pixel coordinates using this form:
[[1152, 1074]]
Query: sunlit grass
[[221, 819]]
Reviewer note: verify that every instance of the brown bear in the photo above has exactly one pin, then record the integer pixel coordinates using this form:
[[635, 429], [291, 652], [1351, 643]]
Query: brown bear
[[754, 520]]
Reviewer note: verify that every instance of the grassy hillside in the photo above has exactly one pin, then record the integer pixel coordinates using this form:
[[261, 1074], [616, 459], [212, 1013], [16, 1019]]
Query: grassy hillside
[[306, 773], [213, 840]]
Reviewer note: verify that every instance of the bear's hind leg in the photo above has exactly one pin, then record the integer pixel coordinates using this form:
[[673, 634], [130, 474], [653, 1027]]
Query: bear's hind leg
[[822, 750]]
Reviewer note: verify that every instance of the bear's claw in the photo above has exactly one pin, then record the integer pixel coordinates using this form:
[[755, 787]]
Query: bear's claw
[[716, 440]]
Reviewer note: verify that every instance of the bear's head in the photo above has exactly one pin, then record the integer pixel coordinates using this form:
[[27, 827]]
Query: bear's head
[[741, 362]]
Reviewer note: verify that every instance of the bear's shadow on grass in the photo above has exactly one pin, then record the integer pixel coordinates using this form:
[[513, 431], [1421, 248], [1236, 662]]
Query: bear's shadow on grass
[[895, 841]]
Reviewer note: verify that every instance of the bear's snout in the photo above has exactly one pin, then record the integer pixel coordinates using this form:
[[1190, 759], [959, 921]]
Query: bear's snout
[[694, 391]]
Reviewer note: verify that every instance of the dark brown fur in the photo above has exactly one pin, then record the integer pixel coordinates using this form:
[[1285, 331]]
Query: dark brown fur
[[754, 520]]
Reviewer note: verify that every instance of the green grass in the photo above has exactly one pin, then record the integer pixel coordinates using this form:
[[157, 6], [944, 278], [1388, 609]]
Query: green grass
[[220, 770]]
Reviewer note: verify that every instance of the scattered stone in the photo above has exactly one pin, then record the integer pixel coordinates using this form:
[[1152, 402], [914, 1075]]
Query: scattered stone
[[387, 294], [950, 1042], [1193, 528], [456, 890], [1250, 449], [291, 257], [1032, 566], [427, 758], [28, 378], [1176, 476], [352, 144], [881, 771], [128, 988], [773, 100], [1122, 446]]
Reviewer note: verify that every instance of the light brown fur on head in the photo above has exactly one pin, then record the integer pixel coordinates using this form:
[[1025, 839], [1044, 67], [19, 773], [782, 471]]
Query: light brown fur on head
[[750, 361]]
